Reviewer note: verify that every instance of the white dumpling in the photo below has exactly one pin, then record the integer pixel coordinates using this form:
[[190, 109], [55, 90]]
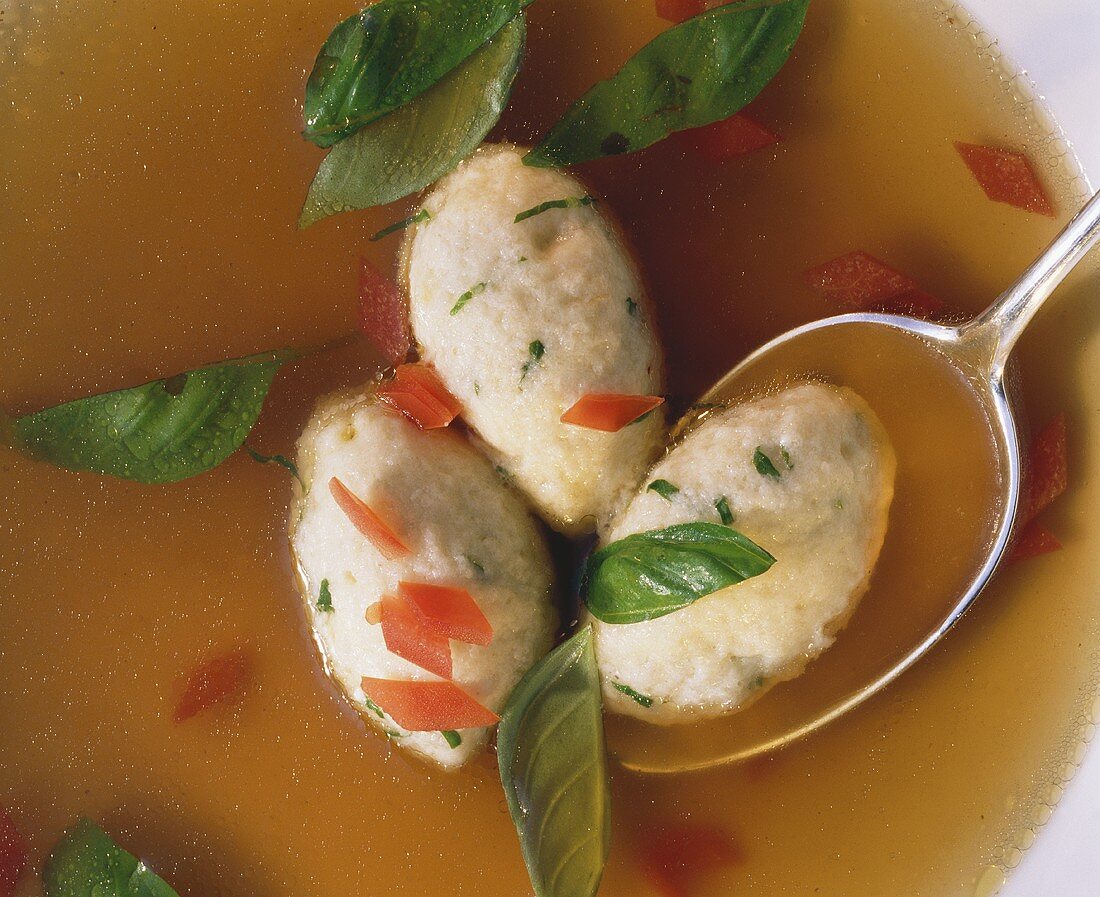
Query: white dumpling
[[464, 527], [822, 514], [522, 319]]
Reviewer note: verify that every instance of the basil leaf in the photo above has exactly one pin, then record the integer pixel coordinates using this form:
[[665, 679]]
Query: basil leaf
[[650, 574], [87, 863], [695, 73], [663, 488], [571, 202], [636, 696], [422, 215], [160, 432], [423, 140], [390, 53], [553, 765], [282, 460], [764, 465]]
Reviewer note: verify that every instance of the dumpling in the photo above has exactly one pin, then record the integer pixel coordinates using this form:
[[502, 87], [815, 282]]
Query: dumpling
[[461, 527], [808, 475], [523, 319]]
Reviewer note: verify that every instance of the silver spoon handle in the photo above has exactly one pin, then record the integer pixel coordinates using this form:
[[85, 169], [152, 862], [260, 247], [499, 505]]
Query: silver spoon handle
[[1000, 325]]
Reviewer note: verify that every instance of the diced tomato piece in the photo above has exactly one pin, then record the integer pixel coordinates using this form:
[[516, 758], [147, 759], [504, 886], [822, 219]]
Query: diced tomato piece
[[407, 637], [674, 858], [450, 611], [858, 281], [609, 412], [680, 10], [1032, 541], [1047, 470], [428, 706], [383, 313], [732, 137], [1006, 177], [372, 526], [215, 680], [418, 393], [13, 854]]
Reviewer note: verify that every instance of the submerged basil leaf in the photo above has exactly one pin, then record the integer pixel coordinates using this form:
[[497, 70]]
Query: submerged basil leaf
[[695, 73], [160, 432], [87, 863], [282, 460], [650, 574], [423, 140], [390, 53], [553, 765]]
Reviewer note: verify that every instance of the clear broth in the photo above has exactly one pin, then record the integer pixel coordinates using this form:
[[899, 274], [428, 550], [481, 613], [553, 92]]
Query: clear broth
[[152, 178]]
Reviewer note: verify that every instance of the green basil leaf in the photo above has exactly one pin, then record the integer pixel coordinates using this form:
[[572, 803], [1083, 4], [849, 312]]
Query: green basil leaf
[[160, 432], [663, 488], [764, 465], [87, 863], [636, 696], [695, 73], [390, 53], [553, 765], [423, 140], [650, 574]]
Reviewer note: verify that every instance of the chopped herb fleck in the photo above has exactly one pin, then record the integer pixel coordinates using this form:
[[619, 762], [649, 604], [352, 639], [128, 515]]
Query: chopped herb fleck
[[663, 488], [467, 296], [535, 351], [324, 598], [453, 738], [473, 562], [390, 733], [477, 388], [523, 258], [839, 504], [631, 307], [645, 416], [764, 465], [572, 202], [758, 682], [373, 708], [422, 215], [636, 696], [281, 460], [786, 456], [724, 512], [502, 473]]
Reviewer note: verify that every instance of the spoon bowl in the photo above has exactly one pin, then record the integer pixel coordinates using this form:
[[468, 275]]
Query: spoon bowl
[[943, 395]]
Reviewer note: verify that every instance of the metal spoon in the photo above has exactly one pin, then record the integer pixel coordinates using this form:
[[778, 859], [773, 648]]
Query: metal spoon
[[861, 350]]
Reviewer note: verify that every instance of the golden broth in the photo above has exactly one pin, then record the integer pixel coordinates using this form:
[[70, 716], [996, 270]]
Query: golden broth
[[153, 176]]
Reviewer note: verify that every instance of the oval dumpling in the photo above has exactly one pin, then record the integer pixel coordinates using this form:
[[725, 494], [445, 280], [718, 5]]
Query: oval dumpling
[[521, 319], [462, 526], [808, 475]]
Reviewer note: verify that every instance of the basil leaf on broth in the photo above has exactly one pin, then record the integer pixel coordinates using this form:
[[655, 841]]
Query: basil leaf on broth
[[390, 53], [423, 140], [87, 863], [651, 574], [553, 765], [698, 72], [160, 432]]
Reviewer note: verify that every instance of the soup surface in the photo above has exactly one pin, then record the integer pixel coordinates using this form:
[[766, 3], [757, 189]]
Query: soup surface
[[153, 176]]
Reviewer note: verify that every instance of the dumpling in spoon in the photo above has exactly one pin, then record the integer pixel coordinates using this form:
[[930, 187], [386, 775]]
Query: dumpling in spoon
[[426, 581], [808, 475], [524, 319]]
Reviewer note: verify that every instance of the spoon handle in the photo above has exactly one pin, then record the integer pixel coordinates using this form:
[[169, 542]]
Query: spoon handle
[[1000, 325]]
